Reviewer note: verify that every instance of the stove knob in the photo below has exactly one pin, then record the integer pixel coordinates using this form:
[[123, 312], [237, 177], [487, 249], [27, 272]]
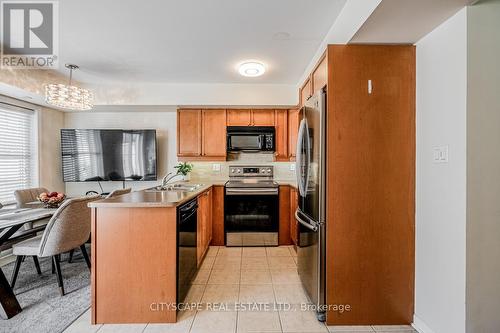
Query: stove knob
[[268, 170], [233, 171], [238, 171]]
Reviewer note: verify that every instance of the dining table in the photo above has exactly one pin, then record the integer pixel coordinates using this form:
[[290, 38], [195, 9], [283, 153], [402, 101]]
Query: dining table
[[11, 220]]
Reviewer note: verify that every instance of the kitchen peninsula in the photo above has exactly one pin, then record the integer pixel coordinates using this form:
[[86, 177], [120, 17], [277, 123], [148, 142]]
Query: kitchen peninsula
[[137, 240]]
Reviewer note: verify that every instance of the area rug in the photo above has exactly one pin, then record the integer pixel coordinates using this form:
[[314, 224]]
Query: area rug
[[44, 309]]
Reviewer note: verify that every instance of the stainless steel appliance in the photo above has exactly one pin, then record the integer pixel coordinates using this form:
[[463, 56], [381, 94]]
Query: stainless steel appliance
[[186, 247], [250, 139], [251, 207], [310, 169]]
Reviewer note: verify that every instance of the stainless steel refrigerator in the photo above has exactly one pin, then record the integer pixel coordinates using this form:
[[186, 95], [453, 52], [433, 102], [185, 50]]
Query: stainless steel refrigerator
[[311, 174]]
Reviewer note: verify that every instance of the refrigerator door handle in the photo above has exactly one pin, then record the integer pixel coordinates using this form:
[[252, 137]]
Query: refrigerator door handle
[[298, 159], [305, 223]]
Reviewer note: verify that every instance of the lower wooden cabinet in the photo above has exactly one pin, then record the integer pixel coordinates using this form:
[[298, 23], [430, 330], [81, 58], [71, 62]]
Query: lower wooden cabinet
[[284, 215], [204, 229], [218, 215], [294, 228]]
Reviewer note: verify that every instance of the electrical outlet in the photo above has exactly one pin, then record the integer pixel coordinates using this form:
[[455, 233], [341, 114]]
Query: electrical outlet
[[292, 167], [216, 167]]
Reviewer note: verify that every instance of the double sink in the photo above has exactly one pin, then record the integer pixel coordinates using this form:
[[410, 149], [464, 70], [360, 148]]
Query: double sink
[[175, 187]]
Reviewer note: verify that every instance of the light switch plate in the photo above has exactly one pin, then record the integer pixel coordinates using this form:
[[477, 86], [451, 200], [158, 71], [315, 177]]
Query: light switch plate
[[216, 167], [440, 154]]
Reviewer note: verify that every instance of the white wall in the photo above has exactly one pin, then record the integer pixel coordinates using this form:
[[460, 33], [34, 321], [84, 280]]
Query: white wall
[[50, 122], [441, 188], [165, 123]]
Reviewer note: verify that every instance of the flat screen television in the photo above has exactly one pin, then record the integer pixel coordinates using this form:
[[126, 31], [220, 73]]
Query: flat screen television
[[108, 154]]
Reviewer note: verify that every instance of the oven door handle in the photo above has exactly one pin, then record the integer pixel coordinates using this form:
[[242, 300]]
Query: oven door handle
[[251, 191], [305, 223]]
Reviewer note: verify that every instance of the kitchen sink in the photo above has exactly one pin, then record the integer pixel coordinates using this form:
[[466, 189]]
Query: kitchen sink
[[175, 187]]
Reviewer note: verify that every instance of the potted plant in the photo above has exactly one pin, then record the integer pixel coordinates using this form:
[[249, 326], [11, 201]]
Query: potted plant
[[184, 168]]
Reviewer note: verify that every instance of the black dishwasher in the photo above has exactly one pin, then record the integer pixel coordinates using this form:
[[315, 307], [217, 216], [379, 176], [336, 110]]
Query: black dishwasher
[[186, 247]]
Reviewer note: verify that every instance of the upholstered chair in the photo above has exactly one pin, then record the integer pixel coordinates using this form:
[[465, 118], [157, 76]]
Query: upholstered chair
[[118, 192], [69, 228], [23, 197]]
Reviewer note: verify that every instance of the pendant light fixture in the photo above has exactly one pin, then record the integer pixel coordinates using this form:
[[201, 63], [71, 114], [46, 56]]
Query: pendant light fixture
[[67, 96]]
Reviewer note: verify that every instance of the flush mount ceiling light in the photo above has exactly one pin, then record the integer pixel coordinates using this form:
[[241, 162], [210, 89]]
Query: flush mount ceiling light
[[68, 96], [251, 68]]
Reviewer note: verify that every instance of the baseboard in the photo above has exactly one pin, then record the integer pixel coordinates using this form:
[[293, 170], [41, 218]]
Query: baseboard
[[420, 326]]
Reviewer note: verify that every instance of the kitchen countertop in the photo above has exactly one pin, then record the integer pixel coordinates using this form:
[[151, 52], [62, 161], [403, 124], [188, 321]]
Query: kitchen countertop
[[148, 199]]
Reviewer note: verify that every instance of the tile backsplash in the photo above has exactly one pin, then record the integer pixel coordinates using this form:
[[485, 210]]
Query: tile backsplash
[[220, 170]]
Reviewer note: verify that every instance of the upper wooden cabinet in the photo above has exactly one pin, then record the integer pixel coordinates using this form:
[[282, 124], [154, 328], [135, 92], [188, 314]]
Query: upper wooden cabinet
[[201, 134], [214, 133], [248, 117], [293, 128], [263, 117], [320, 75], [281, 121], [305, 92], [189, 133], [239, 117]]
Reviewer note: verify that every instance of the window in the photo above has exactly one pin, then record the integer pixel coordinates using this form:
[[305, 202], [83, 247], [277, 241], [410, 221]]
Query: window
[[18, 158]]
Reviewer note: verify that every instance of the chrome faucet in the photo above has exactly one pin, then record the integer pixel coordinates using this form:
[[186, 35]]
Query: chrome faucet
[[167, 178]]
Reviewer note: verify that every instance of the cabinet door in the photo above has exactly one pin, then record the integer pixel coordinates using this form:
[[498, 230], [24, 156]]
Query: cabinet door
[[199, 229], [214, 133], [293, 128], [281, 135], [263, 117], [305, 92], [319, 76], [284, 215], [209, 219], [218, 215], [240, 117], [188, 133], [294, 233]]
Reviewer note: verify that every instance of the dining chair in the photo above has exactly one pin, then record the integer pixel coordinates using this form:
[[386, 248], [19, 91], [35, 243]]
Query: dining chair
[[25, 196], [118, 192], [69, 228]]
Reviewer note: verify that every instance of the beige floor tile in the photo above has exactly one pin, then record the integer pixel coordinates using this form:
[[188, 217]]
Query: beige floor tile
[[122, 328], [82, 325], [301, 321], [295, 260], [281, 251], [254, 252], [195, 293], [254, 263], [207, 263], [214, 322], [229, 252], [227, 263], [281, 262], [220, 293], [212, 251], [258, 321], [292, 250], [224, 276], [255, 276], [285, 276], [392, 328], [350, 329], [290, 293], [258, 293], [201, 276], [183, 324]]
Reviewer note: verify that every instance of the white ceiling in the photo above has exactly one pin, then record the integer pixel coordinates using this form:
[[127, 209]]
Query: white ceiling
[[406, 21], [188, 41]]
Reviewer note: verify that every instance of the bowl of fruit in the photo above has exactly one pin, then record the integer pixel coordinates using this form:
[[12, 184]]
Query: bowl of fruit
[[51, 199]]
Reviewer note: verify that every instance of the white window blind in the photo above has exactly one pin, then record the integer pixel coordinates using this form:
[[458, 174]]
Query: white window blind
[[18, 158]]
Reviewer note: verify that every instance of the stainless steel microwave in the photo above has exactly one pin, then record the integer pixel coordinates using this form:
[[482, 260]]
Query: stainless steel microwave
[[250, 139]]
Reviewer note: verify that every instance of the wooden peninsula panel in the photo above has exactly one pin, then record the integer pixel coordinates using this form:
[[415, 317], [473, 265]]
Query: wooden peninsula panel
[[133, 264]]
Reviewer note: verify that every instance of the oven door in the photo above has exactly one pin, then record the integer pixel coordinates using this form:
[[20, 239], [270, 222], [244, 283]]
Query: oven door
[[244, 142], [251, 216]]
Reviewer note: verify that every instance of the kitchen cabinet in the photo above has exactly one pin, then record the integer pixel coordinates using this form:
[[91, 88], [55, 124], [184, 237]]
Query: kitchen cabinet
[[204, 226], [264, 117], [239, 117], [189, 133], [305, 91], [201, 134], [218, 215], [284, 215], [293, 128], [319, 75], [281, 121], [214, 133], [294, 228]]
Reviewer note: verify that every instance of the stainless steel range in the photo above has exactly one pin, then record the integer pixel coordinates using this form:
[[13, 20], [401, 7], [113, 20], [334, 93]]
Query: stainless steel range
[[251, 207]]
